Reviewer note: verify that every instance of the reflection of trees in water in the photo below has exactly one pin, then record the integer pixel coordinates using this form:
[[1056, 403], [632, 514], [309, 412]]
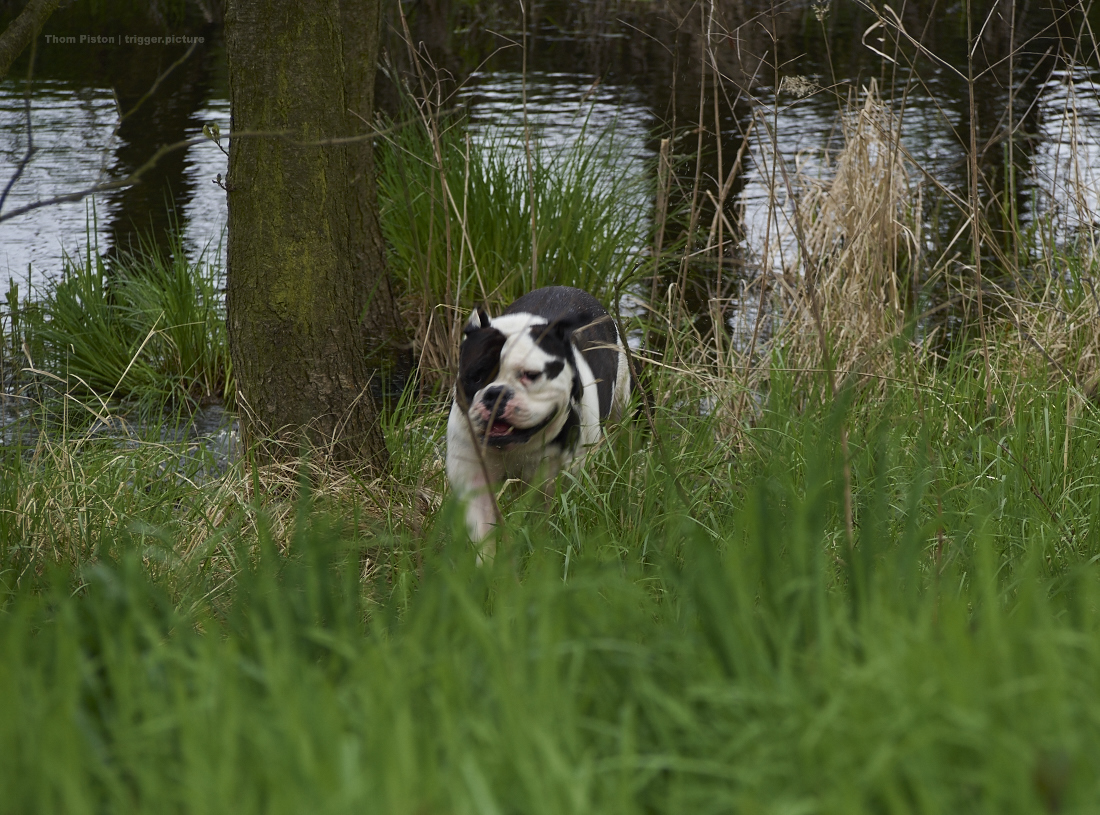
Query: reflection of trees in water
[[707, 69], [164, 118], [161, 117], [683, 57]]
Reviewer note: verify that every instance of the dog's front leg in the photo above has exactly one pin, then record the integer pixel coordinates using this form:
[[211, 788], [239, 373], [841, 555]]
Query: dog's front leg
[[473, 471], [481, 514], [545, 479], [481, 519]]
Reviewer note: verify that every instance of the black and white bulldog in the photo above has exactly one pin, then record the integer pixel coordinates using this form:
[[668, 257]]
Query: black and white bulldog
[[533, 386]]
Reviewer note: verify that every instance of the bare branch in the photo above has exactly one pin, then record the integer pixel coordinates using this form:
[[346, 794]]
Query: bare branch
[[27, 156], [129, 181], [136, 176]]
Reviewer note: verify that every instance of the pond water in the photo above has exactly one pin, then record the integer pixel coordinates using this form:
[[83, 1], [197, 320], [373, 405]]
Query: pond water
[[74, 131], [590, 68], [599, 72]]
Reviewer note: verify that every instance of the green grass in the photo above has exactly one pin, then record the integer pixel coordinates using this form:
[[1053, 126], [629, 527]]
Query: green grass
[[693, 626], [148, 333], [462, 234], [624, 654], [746, 661]]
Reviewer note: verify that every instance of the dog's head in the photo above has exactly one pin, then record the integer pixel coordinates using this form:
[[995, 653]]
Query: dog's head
[[517, 378]]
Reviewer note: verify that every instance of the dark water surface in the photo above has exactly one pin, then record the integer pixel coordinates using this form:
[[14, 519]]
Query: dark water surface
[[76, 94]]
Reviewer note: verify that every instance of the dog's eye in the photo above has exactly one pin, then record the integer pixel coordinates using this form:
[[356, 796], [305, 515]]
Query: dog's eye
[[531, 376]]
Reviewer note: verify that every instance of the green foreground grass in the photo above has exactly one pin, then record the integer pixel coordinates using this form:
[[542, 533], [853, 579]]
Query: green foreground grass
[[630, 652]]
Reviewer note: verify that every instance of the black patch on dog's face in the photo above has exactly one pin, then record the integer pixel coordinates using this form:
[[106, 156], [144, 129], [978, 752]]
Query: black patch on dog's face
[[553, 338], [556, 340], [478, 360]]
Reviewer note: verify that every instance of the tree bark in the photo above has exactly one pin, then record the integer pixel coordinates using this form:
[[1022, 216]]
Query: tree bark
[[19, 33], [313, 328]]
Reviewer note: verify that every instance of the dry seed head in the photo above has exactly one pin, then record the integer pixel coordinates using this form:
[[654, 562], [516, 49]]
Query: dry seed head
[[855, 227], [798, 86]]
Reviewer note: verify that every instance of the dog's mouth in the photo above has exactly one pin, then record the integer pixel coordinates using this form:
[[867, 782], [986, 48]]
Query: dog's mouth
[[503, 433]]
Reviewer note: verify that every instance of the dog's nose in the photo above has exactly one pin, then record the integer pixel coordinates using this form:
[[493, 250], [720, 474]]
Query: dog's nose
[[495, 398]]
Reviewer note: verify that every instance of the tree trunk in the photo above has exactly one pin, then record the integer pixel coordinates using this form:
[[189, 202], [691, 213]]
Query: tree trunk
[[313, 328], [24, 28]]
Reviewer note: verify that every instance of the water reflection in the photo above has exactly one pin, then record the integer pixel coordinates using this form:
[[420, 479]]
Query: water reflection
[[560, 107], [72, 128], [807, 135], [1066, 162], [563, 113], [579, 89], [98, 113]]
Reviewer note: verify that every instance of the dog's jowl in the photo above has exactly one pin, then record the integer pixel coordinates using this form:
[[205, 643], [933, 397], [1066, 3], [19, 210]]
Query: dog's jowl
[[534, 386]]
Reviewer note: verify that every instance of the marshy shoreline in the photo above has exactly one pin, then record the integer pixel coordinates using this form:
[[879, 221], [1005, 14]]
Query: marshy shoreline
[[847, 561]]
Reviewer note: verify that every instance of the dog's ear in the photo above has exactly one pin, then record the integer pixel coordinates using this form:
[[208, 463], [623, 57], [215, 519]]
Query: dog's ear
[[478, 320], [554, 337]]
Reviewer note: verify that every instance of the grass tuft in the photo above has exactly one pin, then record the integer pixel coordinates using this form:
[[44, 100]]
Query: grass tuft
[[457, 216], [148, 332]]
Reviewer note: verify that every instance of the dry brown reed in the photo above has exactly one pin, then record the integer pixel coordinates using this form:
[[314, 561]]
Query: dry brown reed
[[837, 303], [856, 230], [88, 495], [860, 269], [1045, 322]]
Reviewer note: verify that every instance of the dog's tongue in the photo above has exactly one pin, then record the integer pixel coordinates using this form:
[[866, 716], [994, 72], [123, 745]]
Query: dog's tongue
[[500, 428]]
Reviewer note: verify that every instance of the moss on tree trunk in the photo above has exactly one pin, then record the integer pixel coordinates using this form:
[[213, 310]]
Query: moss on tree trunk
[[313, 328]]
